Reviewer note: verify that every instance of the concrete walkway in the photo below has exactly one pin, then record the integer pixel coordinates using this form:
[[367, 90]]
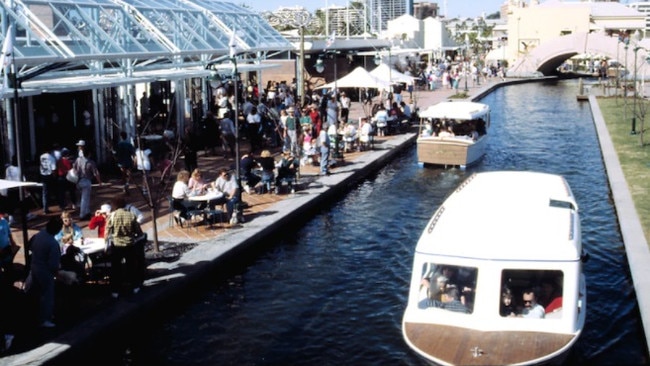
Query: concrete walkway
[[168, 279]]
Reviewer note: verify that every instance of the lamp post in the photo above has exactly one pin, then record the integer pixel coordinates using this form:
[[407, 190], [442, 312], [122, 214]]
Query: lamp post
[[465, 60], [301, 20], [637, 37], [633, 130], [233, 57], [626, 41], [320, 67], [618, 65]]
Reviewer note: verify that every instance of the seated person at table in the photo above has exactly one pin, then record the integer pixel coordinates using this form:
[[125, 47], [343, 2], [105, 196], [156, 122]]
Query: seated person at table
[[99, 220], [349, 136], [381, 118], [227, 184], [247, 164], [196, 183], [181, 194], [287, 168], [365, 132], [268, 168], [73, 261], [68, 227]]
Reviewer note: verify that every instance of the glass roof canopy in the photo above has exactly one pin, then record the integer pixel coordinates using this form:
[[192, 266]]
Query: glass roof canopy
[[96, 37]]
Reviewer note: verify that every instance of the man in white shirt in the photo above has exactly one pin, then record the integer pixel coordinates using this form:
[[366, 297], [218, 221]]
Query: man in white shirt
[[345, 107], [324, 144], [48, 178], [531, 308], [227, 184]]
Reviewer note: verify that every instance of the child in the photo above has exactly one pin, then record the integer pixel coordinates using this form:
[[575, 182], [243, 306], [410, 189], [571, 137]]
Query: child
[[507, 306], [308, 148]]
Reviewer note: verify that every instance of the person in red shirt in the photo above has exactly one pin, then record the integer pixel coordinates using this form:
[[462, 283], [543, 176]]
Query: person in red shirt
[[99, 220], [63, 165], [551, 296]]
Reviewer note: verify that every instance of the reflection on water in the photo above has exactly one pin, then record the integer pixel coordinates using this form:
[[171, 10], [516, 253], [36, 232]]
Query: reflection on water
[[333, 292]]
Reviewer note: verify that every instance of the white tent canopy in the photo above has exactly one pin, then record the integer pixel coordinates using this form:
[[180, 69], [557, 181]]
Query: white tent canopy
[[358, 78], [6, 184], [496, 54], [384, 72]]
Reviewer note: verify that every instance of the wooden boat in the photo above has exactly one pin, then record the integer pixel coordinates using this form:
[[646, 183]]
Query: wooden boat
[[499, 233], [469, 121]]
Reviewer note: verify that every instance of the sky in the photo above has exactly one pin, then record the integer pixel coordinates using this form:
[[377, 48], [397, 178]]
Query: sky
[[455, 8]]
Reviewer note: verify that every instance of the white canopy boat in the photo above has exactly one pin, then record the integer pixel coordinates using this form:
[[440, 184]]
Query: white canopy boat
[[469, 122], [497, 274]]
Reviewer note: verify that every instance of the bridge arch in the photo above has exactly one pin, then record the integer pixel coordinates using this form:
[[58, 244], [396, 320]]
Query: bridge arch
[[549, 55]]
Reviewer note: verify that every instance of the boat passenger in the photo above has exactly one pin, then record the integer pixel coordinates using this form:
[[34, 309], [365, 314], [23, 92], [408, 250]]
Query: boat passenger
[[436, 285], [451, 301], [507, 305], [531, 309], [550, 297], [428, 130], [446, 132]]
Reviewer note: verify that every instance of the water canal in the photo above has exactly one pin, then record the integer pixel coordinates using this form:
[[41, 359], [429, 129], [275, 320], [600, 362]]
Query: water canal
[[333, 292]]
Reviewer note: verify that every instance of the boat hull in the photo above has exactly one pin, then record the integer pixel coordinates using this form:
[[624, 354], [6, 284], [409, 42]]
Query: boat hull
[[450, 345], [450, 151]]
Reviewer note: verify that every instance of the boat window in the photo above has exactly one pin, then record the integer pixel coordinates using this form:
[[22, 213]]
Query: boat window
[[449, 287], [531, 293]]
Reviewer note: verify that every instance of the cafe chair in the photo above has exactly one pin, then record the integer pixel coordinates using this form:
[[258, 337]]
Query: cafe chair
[[212, 215], [174, 215], [194, 219], [267, 184]]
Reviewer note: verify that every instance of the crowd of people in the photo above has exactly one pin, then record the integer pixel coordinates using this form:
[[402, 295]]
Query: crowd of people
[[59, 263], [269, 120]]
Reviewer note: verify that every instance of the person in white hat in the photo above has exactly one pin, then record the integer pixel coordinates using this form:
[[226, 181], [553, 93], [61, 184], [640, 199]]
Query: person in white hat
[[81, 146], [99, 220]]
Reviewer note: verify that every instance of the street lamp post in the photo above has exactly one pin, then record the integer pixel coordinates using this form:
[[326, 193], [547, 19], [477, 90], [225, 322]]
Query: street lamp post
[[320, 67], [637, 37], [626, 41], [465, 60], [302, 20], [633, 130]]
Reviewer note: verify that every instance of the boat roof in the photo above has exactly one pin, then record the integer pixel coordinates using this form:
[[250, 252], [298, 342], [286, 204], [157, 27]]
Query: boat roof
[[507, 215], [460, 110]]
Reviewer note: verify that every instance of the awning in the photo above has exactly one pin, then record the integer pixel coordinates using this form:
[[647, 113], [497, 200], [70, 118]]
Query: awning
[[6, 184]]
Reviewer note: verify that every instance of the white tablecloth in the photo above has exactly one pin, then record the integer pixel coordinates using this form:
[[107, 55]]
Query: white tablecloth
[[207, 197], [92, 245]]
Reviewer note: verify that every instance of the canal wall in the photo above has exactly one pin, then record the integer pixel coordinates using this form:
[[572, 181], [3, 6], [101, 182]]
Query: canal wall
[[636, 245]]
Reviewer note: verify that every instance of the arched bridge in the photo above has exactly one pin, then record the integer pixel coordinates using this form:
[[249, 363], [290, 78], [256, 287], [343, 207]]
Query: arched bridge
[[548, 56]]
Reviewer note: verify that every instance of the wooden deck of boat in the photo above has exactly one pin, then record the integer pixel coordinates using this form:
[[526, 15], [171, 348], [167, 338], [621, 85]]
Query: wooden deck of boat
[[442, 152], [455, 345]]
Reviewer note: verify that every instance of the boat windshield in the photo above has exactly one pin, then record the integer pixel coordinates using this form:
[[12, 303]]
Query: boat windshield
[[449, 287], [531, 293]]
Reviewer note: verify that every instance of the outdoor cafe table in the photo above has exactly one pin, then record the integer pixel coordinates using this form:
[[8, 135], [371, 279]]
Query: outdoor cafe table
[[205, 200], [210, 196], [91, 245]]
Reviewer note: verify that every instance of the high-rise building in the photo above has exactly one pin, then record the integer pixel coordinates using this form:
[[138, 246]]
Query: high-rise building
[[642, 7], [381, 11], [424, 10]]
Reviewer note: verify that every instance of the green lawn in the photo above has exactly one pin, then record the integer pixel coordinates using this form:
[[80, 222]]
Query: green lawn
[[633, 153]]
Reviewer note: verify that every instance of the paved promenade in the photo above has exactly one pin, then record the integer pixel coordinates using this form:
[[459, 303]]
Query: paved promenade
[[189, 255]]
